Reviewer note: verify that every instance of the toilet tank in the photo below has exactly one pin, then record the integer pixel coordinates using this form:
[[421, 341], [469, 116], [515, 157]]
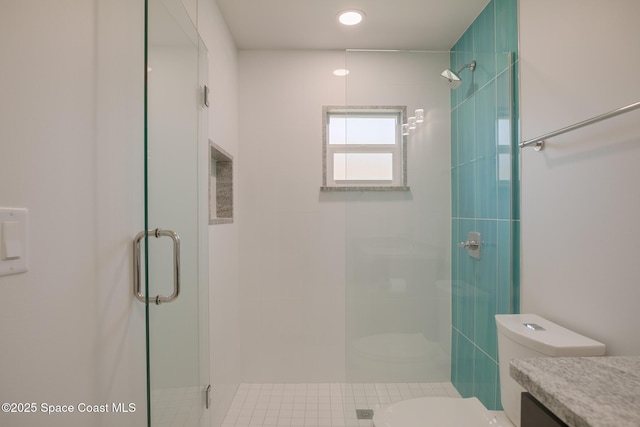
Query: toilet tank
[[522, 336]]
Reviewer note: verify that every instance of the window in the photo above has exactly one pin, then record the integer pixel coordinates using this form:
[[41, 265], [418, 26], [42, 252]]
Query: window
[[363, 148]]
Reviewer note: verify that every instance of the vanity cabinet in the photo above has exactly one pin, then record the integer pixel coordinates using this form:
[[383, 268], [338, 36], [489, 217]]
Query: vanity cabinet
[[535, 414]]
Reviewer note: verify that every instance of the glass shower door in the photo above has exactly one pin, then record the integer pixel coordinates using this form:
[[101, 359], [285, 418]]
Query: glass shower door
[[175, 249]]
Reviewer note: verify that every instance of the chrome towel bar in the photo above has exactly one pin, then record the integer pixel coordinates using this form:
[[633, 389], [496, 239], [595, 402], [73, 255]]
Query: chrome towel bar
[[539, 141]]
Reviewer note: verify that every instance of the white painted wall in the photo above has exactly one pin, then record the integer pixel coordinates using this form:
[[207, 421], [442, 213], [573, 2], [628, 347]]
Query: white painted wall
[[70, 151], [580, 196], [299, 247]]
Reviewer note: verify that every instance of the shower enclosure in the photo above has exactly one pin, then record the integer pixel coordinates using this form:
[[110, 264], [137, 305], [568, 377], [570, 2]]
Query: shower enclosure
[[172, 256], [420, 306], [368, 286]]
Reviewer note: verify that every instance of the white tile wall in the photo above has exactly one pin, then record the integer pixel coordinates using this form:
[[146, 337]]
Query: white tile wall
[[298, 247], [320, 404]]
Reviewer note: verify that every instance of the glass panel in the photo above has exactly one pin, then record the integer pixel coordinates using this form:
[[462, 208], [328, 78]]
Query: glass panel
[[203, 241], [362, 130], [363, 166], [177, 332], [398, 268], [409, 288]]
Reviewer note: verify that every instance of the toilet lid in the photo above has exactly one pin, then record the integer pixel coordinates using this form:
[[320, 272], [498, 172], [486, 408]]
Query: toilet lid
[[436, 411]]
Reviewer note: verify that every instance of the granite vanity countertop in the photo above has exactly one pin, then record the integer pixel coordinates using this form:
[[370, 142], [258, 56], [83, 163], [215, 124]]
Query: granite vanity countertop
[[584, 391]]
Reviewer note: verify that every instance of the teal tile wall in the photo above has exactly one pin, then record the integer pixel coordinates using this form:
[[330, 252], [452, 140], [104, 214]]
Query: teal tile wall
[[485, 197]]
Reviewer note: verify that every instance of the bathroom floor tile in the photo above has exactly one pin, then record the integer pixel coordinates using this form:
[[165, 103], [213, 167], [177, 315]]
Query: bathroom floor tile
[[320, 404]]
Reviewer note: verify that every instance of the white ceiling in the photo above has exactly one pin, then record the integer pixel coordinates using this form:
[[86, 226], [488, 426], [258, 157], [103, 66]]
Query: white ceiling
[[312, 24]]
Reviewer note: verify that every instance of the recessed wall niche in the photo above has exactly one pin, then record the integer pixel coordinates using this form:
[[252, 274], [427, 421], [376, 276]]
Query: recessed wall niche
[[220, 185]]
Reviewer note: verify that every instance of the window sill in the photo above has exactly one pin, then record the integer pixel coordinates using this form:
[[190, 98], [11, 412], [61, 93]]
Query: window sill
[[363, 188]]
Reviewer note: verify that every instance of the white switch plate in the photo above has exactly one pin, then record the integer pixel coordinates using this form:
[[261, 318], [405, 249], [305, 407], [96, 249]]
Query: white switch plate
[[13, 241]]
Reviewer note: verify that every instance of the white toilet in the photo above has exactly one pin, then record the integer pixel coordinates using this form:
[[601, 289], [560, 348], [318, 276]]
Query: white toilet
[[519, 336]]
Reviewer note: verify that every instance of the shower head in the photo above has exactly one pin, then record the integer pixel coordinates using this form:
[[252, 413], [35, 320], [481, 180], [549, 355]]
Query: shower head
[[453, 79]]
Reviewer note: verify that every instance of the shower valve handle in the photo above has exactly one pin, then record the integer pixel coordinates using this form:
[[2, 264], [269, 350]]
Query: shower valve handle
[[472, 244], [469, 244]]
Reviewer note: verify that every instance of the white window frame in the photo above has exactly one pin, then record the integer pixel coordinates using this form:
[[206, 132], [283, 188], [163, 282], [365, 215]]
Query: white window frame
[[398, 149]]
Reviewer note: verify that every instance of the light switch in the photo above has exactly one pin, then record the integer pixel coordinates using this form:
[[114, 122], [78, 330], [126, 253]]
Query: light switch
[[13, 241]]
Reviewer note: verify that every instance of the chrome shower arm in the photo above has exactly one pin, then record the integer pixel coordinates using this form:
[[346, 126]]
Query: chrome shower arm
[[471, 66]]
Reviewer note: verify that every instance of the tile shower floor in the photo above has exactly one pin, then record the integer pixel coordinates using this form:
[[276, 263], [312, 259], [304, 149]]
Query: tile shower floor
[[320, 404]]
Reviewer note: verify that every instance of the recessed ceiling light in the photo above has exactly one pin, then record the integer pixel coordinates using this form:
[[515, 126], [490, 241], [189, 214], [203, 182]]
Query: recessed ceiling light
[[350, 17], [341, 72]]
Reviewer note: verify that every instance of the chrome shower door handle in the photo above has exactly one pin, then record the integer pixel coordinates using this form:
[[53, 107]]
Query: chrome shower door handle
[[137, 286]]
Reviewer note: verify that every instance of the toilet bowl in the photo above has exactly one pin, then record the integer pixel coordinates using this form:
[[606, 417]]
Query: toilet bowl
[[441, 412], [519, 336]]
